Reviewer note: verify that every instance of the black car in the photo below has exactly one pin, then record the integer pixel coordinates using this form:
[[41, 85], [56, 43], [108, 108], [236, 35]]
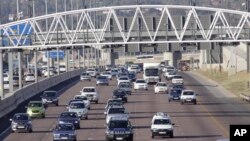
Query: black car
[[50, 97], [174, 95], [132, 77], [21, 122], [69, 117], [120, 94], [179, 87], [119, 128]]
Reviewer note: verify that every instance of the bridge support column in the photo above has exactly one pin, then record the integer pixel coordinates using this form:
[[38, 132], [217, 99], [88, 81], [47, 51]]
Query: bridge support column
[[72, 59], [10, 64], [79, 61], [248, 58], [58, 61], [20, 68], [48, 64], [67, 60], [83, 56], [1, 76], [35, 55]]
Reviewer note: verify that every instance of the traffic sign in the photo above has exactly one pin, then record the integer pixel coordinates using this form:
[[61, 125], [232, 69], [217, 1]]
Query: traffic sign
[[53, 54]]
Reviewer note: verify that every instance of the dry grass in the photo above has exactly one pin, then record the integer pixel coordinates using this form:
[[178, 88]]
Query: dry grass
[[237, 83]]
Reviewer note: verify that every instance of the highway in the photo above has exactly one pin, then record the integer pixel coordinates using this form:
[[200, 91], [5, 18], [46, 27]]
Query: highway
[[209, 120]]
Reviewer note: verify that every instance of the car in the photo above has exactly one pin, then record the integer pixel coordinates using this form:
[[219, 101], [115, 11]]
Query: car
[[21, 122], [122, 79], [50, 97], [15, 81], [107, 74], [132, 77], [119, 128], [102, 80], [91, 93], [78, 107], [84, 99], [168, 68], [160, 87], [108, 67], [140, 84], [174, 95], [64, 132], [111, 102], [69, 117], [177, 80], [121, 75], [47, 73], [120, 94], [5, 76], [30, 77], [92, 72], [161, 125], [114, 72], [126, 86], [170, 75], [114, 111], [36, 109], [188, 96], [62, 68], [179, 87], [6, 85], [85, 76]]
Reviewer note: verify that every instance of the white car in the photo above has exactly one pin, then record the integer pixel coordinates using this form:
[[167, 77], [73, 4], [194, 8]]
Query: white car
[[47, 73], [161, 125], [122, 79], [80, 108], [84, 99], [188, 96], [114, 72], [6, 85], [107, 74], [92, 72], [161, 87], [30, 77], [177, 79], [91, 93], [170, 68], [140, 84], [5, 77], [85, 76], [62, 68]]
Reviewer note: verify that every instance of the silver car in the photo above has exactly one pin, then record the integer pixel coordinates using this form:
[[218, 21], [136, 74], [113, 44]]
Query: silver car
[[80, 108]]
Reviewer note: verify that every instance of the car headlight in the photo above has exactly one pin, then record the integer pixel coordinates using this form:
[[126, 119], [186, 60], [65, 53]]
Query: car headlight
[[128, 132], [61, 122], [154, 129], [72, 135], [14, 123], [109, 132], [76, 121], [56, 135]]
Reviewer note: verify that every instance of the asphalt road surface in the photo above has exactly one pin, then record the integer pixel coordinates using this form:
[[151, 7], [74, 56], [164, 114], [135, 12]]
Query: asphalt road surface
[[209, 120]]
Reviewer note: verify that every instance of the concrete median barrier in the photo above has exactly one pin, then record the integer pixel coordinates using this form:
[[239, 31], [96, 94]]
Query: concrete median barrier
[[9, 104]]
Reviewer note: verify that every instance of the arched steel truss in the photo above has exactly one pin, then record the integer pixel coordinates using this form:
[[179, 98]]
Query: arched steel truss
[[41, 35]]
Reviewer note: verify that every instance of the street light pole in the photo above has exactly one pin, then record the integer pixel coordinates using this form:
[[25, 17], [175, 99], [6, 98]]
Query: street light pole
[[248, 47]]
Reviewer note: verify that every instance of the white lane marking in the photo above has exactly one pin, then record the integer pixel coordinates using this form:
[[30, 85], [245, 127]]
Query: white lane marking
[[5, 131]]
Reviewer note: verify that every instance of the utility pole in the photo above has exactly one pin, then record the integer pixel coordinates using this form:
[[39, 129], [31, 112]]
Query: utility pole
[[248, 47]]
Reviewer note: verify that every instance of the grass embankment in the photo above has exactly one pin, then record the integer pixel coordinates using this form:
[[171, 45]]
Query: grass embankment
[[237, 83]]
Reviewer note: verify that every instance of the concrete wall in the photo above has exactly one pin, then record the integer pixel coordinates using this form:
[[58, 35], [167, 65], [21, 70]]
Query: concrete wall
[[9, 104]]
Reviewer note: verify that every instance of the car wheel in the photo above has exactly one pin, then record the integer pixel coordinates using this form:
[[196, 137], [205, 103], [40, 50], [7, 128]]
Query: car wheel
[[146, 89], [86, 117], [195, 102], [30, 131], [171, 135], [169, 100], [89, 80], [182, 103], [56, 104], [152, 136], [131, 138], [89, 108], [96, 102], [107, 139], [43, 115]]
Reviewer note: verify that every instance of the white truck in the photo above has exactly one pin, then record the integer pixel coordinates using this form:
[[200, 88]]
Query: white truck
[[151, 72]]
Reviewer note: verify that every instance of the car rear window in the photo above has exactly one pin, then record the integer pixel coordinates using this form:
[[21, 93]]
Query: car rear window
[[88, 90], [188, 93]]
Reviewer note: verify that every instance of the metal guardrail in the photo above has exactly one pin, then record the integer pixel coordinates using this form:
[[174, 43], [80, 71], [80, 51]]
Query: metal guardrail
[[245, 97]]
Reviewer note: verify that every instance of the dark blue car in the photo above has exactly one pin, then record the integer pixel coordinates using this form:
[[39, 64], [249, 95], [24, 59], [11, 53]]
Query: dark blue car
[[69, 117], [64, 132], [174, 95], [132, 76]]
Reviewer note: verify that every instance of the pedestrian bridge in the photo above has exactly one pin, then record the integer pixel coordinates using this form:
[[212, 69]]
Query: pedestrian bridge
[[82, 28]]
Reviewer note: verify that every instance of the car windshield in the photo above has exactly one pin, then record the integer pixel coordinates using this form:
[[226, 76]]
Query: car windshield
[[15, 78], [30, 74], [114, 70], [172, 72], [88, 90], [188, 93], [118, 124], [178, 87], [152, 72], [85, 74], [62, 66], [161, 121], [140, 81], [161, 84], [106, 73], [35, 104], [175, 92], [102, 77], [77, 105], [119, 92], [64, 127], [20, 117], [81, 98], [131, 75], [116, 111], [5, 82], [91, 70], [49, 94], [68, 115], [178, 77], [123, 78], [124, 86]]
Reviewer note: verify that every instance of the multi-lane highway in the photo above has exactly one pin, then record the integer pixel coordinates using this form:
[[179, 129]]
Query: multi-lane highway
[[209, 120]]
